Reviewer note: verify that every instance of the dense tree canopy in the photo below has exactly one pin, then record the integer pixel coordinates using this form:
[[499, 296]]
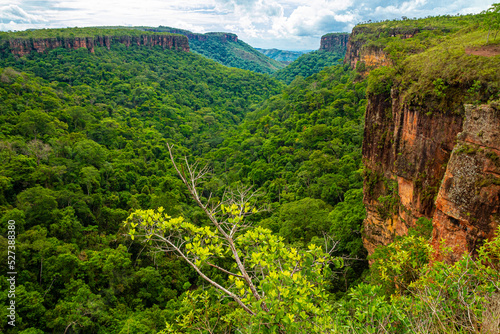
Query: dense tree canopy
[[83, 146]]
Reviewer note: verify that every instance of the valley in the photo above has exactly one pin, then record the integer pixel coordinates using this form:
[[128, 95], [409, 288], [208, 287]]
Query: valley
[[354, 190]]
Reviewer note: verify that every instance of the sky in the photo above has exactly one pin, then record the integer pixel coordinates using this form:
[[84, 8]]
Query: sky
[[281, 24]]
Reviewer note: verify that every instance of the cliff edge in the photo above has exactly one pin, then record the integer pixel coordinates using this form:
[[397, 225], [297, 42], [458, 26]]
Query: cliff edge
[[32, 41], [332, 42], [431, 137]]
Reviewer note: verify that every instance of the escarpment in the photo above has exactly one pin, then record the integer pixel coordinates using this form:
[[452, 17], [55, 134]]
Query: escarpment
[[24, 46], [444, 167], [431, 146], [405, 151], [331, 42], [222, 37], [363, 47], [468, 203]]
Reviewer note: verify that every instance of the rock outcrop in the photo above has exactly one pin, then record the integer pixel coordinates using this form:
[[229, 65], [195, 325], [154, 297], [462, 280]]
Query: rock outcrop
[[440, 163], [405, 152], [24, 46], [223, 37], [331, 42], [421, 163], [372, 55], [468, 202]]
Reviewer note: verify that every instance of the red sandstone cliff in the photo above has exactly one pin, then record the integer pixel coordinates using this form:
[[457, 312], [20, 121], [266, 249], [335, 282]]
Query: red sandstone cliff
[[431, 157], [468, 204], [331, 42], [372, 55], [444, 166], [24, 46], [405, 151]]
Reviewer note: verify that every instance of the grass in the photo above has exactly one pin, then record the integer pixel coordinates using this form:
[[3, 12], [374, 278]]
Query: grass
[[432, 68]]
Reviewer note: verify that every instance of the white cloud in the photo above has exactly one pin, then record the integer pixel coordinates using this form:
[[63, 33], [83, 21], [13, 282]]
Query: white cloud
[[296, 24], [15, 14]]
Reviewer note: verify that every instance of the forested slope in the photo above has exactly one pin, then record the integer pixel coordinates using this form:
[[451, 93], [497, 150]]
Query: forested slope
[[87, 177], [83, 142], [226, 49], [308, 64]]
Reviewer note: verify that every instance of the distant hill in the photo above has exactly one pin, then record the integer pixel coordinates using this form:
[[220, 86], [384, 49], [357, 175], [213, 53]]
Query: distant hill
[[283, 56], [226, 49]]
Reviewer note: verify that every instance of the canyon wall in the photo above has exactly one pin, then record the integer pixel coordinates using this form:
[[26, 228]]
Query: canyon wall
[[220, 36], [437, 159], [372, 54], [24, 46], [405, 152], [330, 42], [468, 203]]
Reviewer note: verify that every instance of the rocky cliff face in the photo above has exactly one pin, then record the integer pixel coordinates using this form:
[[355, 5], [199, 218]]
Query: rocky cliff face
[[220, 36], [358, 50], [441, 166], [331, 42], [405, 151], [438, 160], [23, 46], [468, 203]]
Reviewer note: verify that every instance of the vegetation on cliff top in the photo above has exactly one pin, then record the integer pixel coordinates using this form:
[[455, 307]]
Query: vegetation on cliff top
[[76, 32], [444, 56]]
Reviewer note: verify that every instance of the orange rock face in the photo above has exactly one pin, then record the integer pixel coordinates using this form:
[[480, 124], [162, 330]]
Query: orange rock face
[[331, 41], [468, 203], [22, 47], [405, 151], [372, 57]]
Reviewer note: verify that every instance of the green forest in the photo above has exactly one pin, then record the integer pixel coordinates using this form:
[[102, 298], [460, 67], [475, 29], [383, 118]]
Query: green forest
[[159, 191], [222, 48]]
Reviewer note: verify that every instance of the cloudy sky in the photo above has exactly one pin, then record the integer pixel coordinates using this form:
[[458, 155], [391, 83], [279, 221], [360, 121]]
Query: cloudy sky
[[283, 24]]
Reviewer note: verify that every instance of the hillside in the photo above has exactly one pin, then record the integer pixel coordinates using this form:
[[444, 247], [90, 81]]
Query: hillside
[[226, 49], [308, 64], [283, 56]]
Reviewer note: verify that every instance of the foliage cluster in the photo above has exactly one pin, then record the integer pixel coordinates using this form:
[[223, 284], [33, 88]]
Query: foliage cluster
[[226, 52], [75, 32], [408, 294], [83, 142], [434, 63], [309, 64]]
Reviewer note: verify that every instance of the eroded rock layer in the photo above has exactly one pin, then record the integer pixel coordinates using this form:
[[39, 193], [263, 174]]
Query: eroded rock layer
[[467, 206], [24, 46], [331, 42], [405, 151]]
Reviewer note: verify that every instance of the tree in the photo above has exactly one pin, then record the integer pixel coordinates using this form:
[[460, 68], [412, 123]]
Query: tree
[[492, 19], [38, 149], [279, 288], [90, 176]]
